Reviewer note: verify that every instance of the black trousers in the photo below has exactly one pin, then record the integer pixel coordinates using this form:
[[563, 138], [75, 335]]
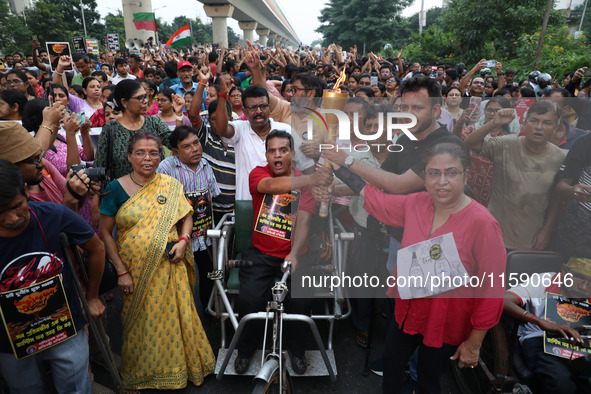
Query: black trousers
[[204, 266], [255, 291], [553, 373], [432, 363]]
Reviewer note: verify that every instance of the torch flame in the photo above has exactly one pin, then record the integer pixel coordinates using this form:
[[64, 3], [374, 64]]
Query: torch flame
[[340, 81]]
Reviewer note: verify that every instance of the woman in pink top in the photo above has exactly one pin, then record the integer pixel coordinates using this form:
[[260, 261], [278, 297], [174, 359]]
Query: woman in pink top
[[452, 323]]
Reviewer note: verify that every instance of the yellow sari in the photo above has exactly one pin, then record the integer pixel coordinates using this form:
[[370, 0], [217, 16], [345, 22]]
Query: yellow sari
[[164, 344]]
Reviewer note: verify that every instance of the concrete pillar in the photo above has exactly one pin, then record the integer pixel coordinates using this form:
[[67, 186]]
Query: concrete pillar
[[128, 10], [219, 15], [263, 36], [248, 28]]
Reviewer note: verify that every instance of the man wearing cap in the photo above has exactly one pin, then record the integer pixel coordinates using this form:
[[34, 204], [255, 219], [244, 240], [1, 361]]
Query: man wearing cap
[[19, 147], [185, 74]]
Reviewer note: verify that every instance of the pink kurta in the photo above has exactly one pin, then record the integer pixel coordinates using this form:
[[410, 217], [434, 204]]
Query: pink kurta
[[482, 252]]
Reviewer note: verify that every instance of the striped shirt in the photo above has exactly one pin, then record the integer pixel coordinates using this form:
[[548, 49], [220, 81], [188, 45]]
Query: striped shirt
[[222, 160], [192, 181]]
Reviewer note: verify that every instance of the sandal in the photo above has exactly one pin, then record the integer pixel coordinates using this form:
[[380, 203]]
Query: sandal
[[361, 339]]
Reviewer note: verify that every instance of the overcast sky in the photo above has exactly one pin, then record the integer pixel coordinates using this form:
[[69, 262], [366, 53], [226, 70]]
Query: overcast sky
[[301, 14]]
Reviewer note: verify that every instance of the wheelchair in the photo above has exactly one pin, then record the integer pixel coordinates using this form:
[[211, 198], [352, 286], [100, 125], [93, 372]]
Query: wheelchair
[[501, 362], [231, 236]]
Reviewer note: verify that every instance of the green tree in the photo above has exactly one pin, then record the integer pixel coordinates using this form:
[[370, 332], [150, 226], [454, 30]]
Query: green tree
[[14, 34], [47, 22], [433, 46], [73, 17], [587, 22], [359, 22], [496, 23]]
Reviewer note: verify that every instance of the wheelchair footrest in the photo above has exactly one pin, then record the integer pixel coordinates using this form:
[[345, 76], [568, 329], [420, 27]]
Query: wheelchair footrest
[[316, 366]]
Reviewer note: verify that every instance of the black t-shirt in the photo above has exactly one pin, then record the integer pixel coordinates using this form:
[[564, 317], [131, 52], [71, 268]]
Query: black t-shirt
[[411, 155], [27, 259], [411, 158], [575, 223]]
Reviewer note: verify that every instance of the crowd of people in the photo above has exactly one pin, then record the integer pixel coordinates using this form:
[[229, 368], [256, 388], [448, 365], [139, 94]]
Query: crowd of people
[[489, 164]]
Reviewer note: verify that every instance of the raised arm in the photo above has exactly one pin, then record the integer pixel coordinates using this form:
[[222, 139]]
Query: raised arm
[[204, 74], [464, 81], [475, 140], [223, 128]]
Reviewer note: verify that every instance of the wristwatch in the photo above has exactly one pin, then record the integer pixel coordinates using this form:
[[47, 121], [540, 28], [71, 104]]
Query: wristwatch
[[349, 161]]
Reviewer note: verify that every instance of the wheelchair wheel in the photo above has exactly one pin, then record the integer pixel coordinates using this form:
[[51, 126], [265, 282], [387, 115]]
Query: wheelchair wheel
[[493, 354], [272, 387]]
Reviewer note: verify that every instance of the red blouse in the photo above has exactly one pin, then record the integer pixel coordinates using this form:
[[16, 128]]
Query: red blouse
[[450, 316]]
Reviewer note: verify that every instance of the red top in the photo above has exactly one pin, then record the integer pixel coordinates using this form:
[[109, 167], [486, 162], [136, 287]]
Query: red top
[[442, 319], [268, 244]]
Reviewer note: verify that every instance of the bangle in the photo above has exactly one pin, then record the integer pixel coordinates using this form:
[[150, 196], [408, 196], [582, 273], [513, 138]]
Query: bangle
[[186, 235], [182, 237], [125, 273], [202, 84], [223, 96], [523, 315], [59, 73], [179, 117], [48, 128]]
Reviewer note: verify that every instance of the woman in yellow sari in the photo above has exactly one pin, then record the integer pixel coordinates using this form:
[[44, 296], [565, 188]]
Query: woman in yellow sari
[[164, 344]]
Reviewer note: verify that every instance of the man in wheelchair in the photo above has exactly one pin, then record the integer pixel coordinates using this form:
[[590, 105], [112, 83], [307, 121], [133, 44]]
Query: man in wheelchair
[[281, 199], [527, 304]]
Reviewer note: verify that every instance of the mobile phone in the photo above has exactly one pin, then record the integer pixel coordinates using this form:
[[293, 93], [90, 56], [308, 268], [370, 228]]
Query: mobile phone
[[34, 37], [82, 116], [373, 81], [474, 105], [167, 252], [587, 73], [491, 63]]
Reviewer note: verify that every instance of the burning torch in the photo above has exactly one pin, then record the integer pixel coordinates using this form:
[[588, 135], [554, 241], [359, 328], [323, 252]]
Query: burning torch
[[332, 99]]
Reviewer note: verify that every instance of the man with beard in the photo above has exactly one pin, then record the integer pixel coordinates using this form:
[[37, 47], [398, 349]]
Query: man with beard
[[196, 176], [248, 136], [31, 255], [19, 147]]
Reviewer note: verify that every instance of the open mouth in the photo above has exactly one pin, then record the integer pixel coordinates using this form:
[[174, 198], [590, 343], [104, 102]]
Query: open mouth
[[278, 165]]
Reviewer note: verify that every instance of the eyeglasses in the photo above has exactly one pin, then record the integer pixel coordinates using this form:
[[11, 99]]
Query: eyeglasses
[[385, 72], [14, 82], [142, 155], [142, 99], [262, 107], [294, 89], [492, 111], [535, 122], [236, 95], [162, 100], [36, 161], [449, 174]]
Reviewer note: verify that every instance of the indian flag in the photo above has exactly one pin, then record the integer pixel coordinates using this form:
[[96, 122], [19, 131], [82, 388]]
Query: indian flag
[[144, 21], [182, 37]]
